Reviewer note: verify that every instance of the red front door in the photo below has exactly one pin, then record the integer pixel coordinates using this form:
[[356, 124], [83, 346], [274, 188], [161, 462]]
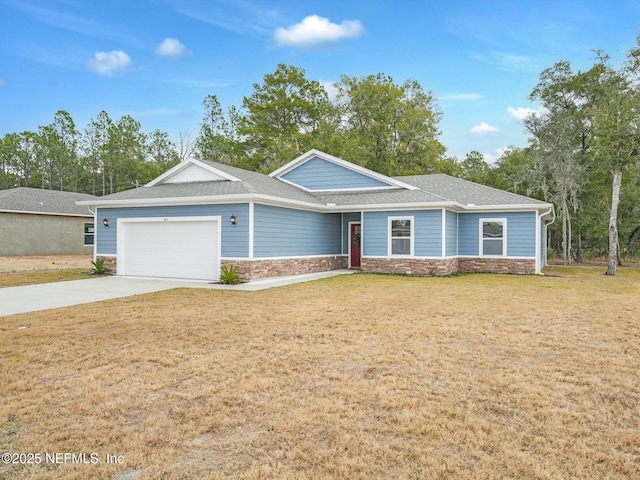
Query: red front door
[[355, 239]]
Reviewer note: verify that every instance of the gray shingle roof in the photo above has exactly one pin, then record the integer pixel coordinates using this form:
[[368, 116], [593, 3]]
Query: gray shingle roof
[[466, 192], [266, 185], [438, 188], [36, 200], [250, 182], [177, 190], [379, 197]]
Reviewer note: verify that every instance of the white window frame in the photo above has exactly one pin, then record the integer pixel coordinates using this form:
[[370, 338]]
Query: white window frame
[[84, 236], [411, 238], [481, 223]]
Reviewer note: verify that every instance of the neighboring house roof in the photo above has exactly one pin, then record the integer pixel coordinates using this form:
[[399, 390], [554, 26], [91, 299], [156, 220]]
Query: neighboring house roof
[[44, 202], [226, 183]]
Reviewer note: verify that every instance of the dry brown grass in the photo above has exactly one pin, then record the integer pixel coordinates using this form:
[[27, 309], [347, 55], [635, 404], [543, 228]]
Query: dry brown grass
[[16, 279], [29, 270], [477, 376], [27, 263]]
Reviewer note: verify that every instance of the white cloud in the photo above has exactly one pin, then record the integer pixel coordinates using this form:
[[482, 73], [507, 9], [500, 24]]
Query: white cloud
[[461, 96], [503, 150], [491, 158], [315, 30], [330, 88], [508, 62], [106, 63], [521, 113], [484, 129], [171, 47]]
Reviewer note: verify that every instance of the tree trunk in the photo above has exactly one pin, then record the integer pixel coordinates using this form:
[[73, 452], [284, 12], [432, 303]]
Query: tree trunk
[[613, 223], [618, 253], [565, 243]]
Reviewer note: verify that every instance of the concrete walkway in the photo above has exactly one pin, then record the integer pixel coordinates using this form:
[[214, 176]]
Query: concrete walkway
[[32, 298]]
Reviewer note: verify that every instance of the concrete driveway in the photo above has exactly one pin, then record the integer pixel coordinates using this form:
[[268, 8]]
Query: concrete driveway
[[32, 298]]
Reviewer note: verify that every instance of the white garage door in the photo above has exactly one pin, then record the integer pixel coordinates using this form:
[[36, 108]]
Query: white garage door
[[170, 247]]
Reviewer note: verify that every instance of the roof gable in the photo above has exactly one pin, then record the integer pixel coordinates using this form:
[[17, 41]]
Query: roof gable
[[317, 171], [192, 170]]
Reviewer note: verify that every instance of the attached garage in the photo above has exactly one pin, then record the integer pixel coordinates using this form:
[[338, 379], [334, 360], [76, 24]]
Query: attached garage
[[175, 247]]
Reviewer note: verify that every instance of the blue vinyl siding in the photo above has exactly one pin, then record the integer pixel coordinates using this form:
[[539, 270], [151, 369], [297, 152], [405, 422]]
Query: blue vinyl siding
[[319, 174], [235, 238], [285, 232], [427, 231], [346, 218], [451, 229], [521, 233]]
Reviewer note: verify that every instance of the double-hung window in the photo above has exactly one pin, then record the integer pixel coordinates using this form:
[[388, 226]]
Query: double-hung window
[[88, 234], [493, 237], [401, 236]]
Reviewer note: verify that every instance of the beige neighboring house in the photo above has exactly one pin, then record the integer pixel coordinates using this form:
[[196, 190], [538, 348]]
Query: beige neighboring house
[[44, 222]]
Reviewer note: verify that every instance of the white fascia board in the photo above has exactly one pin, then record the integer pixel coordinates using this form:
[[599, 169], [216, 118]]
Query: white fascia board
[[522, 207], [210, 200], [300, 160], [337, 190], [88, 215], [302, 205], [165, 201], [182, 165], [385, 207], [305, 157]]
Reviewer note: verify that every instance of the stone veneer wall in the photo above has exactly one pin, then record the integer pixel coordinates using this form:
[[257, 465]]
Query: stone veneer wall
[[497, 265], [110, 262], [446, 266], [256, 268], [410, 266]]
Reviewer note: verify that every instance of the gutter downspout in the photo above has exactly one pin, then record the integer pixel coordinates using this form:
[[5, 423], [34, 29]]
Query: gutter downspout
[[551, 210], [95, 231]]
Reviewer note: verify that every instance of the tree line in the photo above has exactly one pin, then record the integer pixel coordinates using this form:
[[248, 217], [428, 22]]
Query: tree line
[[581, 143], [106, 157]]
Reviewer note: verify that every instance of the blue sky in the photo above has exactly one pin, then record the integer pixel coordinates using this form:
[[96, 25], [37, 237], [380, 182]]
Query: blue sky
[[156, 60]]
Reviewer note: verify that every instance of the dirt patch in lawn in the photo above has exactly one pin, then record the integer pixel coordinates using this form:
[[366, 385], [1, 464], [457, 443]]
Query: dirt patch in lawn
[[357, 376], [44, 262]]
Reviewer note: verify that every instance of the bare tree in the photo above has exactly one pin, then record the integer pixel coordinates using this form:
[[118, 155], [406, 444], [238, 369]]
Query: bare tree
[[186, 145]]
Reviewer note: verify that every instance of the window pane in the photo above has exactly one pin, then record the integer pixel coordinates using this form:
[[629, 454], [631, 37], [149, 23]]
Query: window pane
[[492, 229], [400, 228], [88, 239], [401, 246], [491, 247]]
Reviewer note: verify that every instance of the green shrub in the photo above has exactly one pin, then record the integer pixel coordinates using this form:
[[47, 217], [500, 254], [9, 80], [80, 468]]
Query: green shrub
[[99, 268], [229, 274]]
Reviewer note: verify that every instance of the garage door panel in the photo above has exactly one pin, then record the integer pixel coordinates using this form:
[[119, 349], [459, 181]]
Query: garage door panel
[[172, 249]]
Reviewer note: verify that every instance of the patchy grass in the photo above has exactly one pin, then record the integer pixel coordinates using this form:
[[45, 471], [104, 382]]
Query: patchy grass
[[16, 279], [27, 270], [359, 376], [15, 264]]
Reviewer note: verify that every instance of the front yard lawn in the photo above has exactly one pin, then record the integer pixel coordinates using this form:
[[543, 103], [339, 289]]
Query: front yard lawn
[[17, 279], [358, 376]]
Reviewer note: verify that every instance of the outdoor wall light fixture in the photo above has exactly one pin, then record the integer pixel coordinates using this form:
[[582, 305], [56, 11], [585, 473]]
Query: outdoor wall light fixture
[[105, 222], [232, 219]]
